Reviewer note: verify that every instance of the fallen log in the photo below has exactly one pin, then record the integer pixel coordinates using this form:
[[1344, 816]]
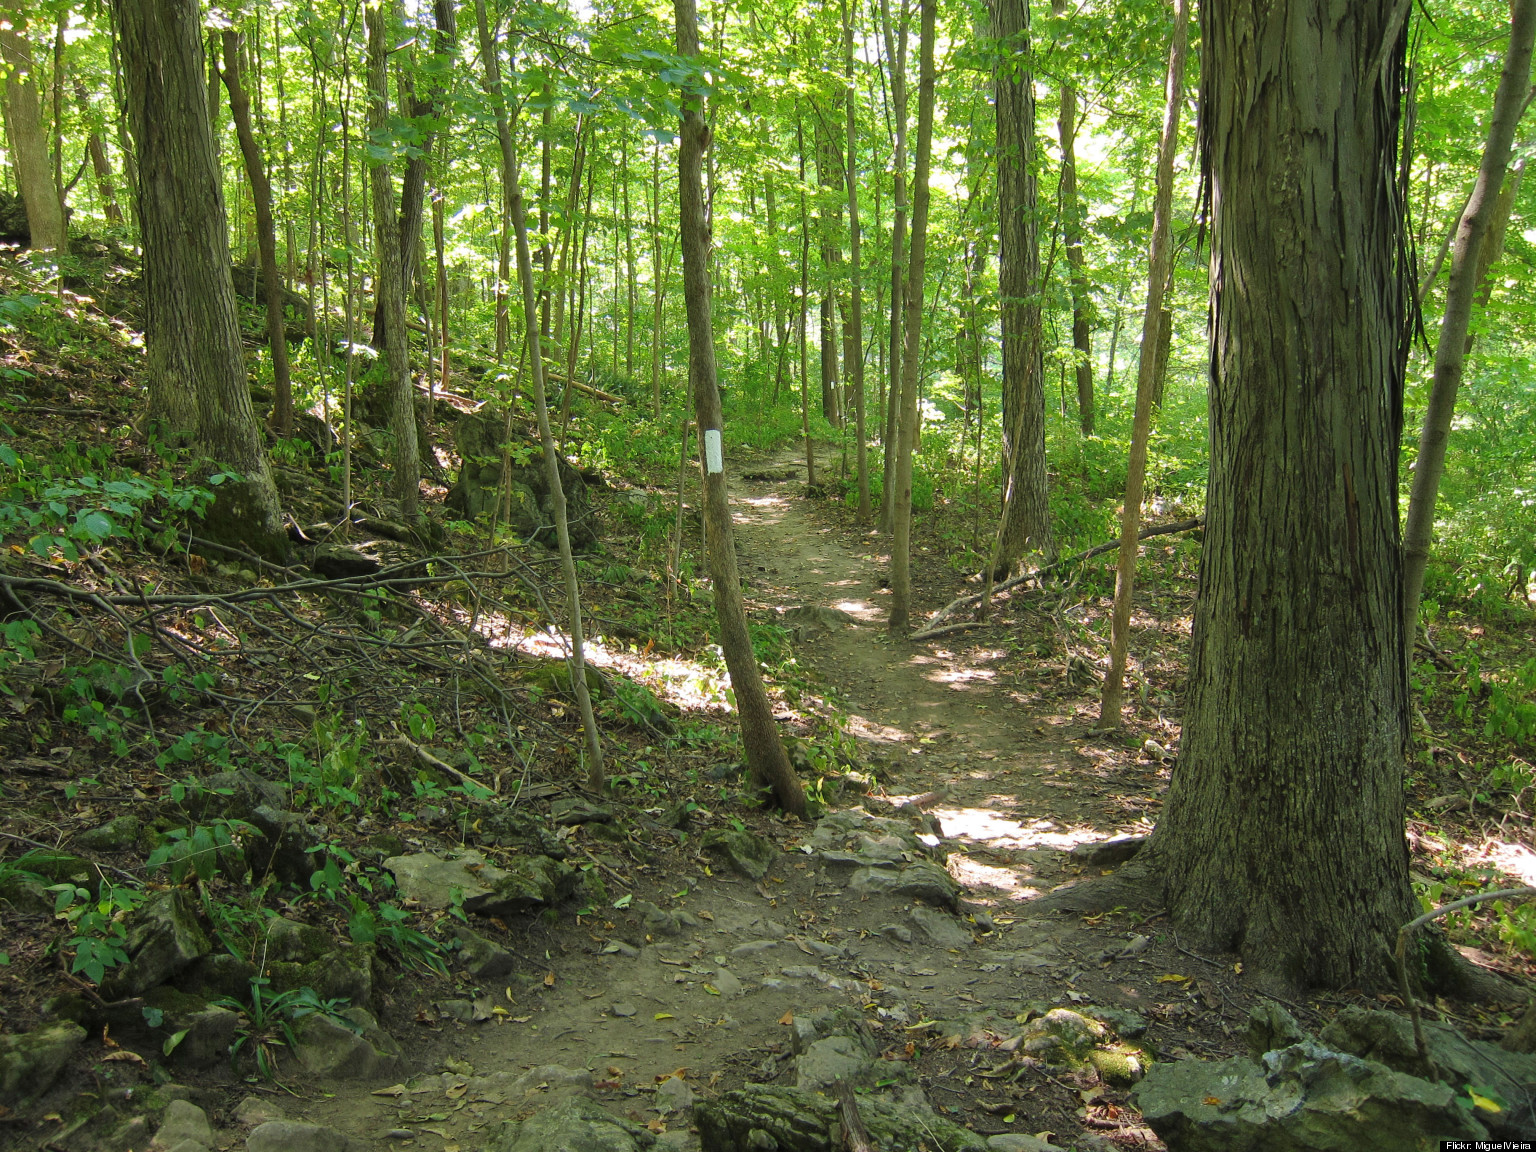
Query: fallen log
[[936, 622]]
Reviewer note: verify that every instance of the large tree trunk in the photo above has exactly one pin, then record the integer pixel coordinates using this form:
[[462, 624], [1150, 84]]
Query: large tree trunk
[[1026, 521], [197, 377], [1156, 328], [390, 285], [912, 352], [759, 738], [1466, 275], [29, 136], [266, 232], [1282, 838]]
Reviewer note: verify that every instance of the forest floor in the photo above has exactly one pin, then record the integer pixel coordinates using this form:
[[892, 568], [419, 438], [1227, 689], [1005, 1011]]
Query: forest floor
[[670, 971]]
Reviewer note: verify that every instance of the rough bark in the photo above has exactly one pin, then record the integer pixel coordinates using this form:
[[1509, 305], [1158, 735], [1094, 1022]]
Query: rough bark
[[29, 137], [1026, 519], [1282, 837], [266, 232], [805, 310], [1460, 293], [197, 378], [759, 737], [1155, 325], [390, 284], [912, 352]]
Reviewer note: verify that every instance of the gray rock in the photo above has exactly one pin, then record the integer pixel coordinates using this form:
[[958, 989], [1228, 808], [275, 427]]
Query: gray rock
[[656, 921], [286, 844], [293, 1136], [801, 1121], [898, 932], [923, 881], [119, 834], [207, 1036], [164, 937], [528, 882], [184, 1122], [855, 839], [1062, 1037], [1107, 853], [943, 930], [483, 959], [236, 793], [479, 485], [748, 853], [1301, 1097], [575, 1124], [1018, 1142], [31, 1061], [1271, 1026], [573, 810], [343, 974], [433, 881], [327, 1048], [754, 947], [673, 1095], [218, 974], [1126, 1023], [825, 1062], [289, 941], [728, 984], [516, 1088], [812, 618], [254, 1111]]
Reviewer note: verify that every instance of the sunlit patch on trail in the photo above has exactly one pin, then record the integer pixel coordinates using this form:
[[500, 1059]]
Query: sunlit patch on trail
[[991, 828], [1514, 859], [974, 874]]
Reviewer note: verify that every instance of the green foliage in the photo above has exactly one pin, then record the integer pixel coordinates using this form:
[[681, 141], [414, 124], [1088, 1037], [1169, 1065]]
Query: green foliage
[[267, 1019], [99, 936], [201, 849], [66, 511], [388, 926]]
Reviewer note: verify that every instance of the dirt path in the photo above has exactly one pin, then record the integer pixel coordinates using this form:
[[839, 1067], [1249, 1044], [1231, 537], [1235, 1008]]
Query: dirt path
[[630, 1001]]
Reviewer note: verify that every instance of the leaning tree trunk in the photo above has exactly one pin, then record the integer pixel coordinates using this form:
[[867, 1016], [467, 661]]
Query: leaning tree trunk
[[1026, 521], [266, 232], [1282, 837], [912, 353], [29, 137], [197, 377], [390, 286], [1451, 352], [1155, 327], [759, 738]]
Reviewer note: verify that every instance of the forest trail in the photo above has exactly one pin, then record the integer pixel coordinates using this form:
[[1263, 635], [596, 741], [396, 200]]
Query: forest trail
[[636, 996]]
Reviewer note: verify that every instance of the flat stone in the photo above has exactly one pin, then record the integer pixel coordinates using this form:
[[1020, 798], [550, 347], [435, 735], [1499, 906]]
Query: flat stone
[[673, 1095], [1107, 853], [1018, 1142], [254, 1111], [293, 1136], [571, 811], [516, 1088], [624, 1008], [432, 880], [117, 835], [923, 881], [754, 947], [898, 932], [184, 1122], [528, 882], [943, 930], [576, 1124], [728, 984]]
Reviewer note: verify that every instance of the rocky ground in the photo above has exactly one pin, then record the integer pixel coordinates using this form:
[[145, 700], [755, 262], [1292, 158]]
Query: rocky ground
[[667, 976]]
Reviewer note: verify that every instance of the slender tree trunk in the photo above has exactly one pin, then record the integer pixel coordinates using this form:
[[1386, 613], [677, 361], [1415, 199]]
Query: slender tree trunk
[[29, 136], [438, 212], [197, 378], [896, 54], [1282, 838], [1026, 519], [656, 280], [100, 166], [390, 286], [266, 232], [854, 362], [759, 737], [629, 268], [596, 775], [906, 442], [1147, 385], [1460, 293], [1072, 240], [805, 310]]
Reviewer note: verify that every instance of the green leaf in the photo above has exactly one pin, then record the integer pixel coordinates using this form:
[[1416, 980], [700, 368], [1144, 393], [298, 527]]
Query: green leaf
[[173, 1041]]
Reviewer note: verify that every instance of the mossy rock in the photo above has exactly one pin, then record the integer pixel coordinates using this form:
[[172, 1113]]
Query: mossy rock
[[31, 1061]]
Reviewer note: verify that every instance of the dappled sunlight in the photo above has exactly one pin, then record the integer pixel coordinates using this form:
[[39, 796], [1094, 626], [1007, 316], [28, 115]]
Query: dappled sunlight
[[991, 828], [1517, 860], [974, 874]]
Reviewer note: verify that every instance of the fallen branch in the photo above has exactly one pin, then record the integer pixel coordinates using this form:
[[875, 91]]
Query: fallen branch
[[954, 607], [437, 764], [855, 1135], [589, 389]]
